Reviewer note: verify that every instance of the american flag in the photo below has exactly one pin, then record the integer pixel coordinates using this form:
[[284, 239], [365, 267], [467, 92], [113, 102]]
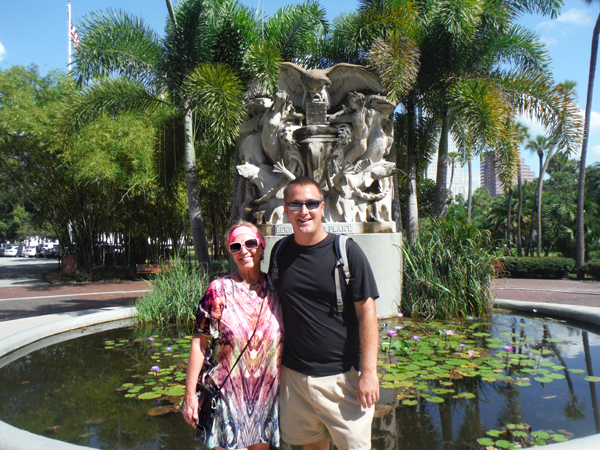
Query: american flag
[[74, 37]]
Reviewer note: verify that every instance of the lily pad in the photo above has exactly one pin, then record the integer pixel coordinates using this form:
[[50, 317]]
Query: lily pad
[[409, 402], [592, 379], [435, 399], [576, 370], [494, 433], [149, 395], [559, 438], [485, 441], [504, 444], [466, 395]]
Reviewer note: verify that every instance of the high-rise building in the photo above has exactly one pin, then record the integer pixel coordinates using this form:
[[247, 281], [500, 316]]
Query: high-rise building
[[489, 176]]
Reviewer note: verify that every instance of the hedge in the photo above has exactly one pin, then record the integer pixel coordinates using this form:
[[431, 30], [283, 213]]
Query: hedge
[[592, 268], [532, 267]]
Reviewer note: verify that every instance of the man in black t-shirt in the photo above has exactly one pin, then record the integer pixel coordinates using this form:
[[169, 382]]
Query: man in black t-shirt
[[329, 381]]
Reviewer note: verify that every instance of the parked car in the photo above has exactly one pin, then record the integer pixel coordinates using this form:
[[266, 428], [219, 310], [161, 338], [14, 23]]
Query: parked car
[[3, 246], [42, 249], [51, 252], [20, 249], [29, 251], [11, 251]]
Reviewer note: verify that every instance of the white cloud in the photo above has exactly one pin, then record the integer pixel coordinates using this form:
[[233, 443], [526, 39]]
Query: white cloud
[[594, 151], [573, 16], [2, 51]]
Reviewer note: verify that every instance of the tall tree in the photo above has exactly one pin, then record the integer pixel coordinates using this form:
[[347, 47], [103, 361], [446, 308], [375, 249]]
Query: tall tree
[[540, 145], [199, 70], [580, 238]]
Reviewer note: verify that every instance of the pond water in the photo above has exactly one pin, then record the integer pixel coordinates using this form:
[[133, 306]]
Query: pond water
[[445, 386]]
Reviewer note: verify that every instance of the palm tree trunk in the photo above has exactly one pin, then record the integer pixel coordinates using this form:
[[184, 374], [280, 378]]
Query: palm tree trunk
[[543, 169], [451, 179], [508, 214], [580, 234], [439, 204], [519, 211], [470, 192], [412, 207], [191, 183]]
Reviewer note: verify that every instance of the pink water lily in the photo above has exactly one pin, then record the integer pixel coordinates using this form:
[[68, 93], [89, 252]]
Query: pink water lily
[[391, 333], [471, 353], [416, 338], [151, 339], [508, 348]]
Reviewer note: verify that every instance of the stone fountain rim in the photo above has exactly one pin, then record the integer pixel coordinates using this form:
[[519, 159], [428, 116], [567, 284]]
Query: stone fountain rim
[[13, 438]]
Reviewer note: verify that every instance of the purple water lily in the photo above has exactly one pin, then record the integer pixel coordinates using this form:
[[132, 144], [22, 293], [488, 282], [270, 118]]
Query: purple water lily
[[391, 333], [151, 339], [462, 345], [169, 349], [416, 338], [155, 369]]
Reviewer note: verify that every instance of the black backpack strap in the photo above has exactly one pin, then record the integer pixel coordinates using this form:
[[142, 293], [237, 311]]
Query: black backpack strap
[[342, 262], [278, 248]]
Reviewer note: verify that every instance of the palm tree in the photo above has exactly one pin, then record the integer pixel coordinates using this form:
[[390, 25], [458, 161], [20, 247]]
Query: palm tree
[[474, 57], [521, 134], [539, 145], [453, 157], [580, 235], [212, 52]]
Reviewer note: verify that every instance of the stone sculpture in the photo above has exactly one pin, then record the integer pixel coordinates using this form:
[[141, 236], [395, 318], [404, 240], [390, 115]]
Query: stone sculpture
[[340, 141]]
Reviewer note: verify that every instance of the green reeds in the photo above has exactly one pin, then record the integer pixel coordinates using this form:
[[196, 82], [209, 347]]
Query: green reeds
[[448, 273], [175, 294]]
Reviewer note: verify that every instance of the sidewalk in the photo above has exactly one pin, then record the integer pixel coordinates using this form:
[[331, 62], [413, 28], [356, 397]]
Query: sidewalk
[[561, 292], [40, 300]]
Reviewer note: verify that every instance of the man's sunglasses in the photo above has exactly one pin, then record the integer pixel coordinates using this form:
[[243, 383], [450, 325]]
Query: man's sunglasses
[[311, 205], [250, 244]]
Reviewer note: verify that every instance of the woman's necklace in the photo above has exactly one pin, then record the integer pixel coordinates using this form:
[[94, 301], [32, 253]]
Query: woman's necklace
[[251, 286]]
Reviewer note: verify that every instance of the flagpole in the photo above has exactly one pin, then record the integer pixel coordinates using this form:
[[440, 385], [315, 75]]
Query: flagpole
[[69, 33]]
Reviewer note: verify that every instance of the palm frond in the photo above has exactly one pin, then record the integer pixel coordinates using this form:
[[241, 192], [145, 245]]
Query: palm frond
[[217, 95], [396, 60], [109, 96], [262, 61], [292, 26], [114, 42]]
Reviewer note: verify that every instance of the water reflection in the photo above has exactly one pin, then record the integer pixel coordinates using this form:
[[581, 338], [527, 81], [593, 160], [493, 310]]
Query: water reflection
[[67, 392]]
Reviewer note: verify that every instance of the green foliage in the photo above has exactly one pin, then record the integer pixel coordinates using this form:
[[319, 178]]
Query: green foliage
[[175, 294], [448, 273], [533, 267], [102, 273], [592, 269]]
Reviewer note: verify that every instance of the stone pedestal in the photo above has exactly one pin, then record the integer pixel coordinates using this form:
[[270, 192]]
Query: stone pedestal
[[383, 250]]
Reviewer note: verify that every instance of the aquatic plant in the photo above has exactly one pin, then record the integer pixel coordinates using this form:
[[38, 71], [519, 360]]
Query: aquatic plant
[[175, 294], [448, 273]]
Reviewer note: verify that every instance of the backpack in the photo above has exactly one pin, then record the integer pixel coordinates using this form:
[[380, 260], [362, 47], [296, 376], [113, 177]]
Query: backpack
[[341, 263]]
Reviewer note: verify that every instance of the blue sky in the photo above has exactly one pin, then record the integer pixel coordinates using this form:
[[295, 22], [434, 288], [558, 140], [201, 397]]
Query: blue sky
[[35, 32]]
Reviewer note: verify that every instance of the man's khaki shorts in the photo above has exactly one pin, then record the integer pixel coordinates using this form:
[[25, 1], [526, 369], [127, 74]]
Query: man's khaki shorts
[[315, 408]]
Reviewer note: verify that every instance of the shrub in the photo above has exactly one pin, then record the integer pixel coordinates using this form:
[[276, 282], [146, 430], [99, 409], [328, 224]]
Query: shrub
[[175, 294], [592, 268], [448, 273], [533, 267], [101, 273]]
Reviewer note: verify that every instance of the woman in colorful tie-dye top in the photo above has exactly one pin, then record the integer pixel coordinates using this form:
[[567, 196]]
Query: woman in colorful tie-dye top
[[247, 412]]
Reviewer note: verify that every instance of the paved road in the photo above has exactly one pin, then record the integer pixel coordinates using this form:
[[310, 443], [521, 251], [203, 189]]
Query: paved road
[[24, 271]]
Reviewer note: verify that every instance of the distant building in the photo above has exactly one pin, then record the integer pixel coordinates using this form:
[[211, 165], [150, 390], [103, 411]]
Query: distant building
[[489, 177], [460, 182]]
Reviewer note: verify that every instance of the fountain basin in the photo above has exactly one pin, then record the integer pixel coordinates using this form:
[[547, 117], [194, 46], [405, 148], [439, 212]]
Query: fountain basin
[[12, 438]]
